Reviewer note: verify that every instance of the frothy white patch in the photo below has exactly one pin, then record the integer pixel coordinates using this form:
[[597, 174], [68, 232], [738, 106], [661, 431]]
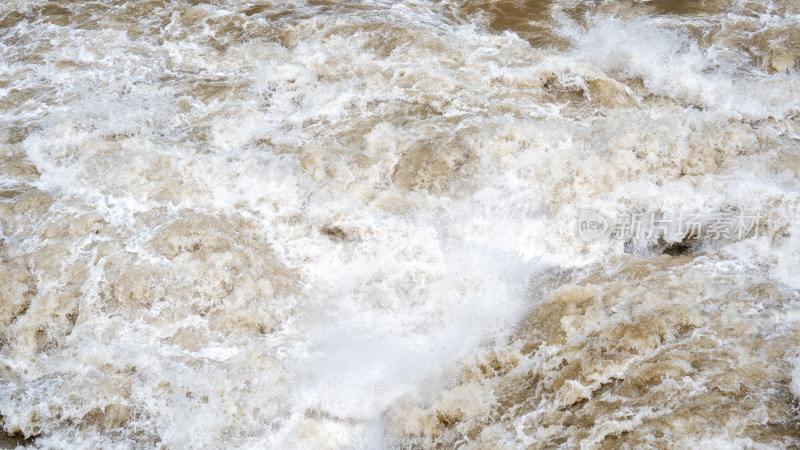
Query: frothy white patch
[[408, 171]]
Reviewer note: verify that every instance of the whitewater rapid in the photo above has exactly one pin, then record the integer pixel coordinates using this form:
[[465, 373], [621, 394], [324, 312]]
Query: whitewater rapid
[[343, 224]]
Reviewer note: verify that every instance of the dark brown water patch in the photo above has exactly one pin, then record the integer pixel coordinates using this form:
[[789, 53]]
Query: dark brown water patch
[[530, 19], [15, 440], [689, 7]]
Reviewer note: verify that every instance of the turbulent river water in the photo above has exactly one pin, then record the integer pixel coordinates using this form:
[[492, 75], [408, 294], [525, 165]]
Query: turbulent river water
[[400, 224]]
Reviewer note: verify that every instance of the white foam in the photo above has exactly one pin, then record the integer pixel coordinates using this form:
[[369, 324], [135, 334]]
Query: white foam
[[396, 278]]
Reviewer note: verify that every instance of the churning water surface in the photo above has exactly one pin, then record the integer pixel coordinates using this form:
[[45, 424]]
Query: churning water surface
[[400, 224]]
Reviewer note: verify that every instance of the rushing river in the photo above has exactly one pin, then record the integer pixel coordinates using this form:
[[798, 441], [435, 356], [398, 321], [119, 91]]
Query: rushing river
[[411, 224]]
